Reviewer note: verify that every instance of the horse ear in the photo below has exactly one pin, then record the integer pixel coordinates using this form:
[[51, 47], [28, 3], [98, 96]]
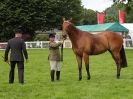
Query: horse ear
[[71, 20], [64, 19]]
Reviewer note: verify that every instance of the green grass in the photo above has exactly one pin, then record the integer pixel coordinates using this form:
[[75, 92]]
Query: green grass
[[103, 83]]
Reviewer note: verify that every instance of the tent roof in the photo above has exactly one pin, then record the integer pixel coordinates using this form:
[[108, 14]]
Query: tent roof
[[116, 27]]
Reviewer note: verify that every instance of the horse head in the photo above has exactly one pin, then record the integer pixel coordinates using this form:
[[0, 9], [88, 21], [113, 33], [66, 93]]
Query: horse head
[[65, 27]]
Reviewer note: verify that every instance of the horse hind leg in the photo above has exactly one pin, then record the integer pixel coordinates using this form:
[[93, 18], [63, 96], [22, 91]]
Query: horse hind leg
[[86, 60], [79, 60], [116, 56]]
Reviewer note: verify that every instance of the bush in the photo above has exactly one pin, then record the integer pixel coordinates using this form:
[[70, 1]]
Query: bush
[[41, 37]]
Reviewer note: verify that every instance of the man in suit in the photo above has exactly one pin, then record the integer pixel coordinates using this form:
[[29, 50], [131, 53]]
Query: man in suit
[[18, 48]]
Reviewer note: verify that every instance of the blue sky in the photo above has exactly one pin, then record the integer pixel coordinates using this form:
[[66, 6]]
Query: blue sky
[[98, 5]]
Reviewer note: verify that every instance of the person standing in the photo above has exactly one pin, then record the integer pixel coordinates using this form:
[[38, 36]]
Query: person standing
[[18, 48], [128, 40], [54, 57]]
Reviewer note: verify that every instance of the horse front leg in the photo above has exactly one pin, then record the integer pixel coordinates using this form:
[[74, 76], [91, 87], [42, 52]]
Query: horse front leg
[[86, 60], [79, 60]]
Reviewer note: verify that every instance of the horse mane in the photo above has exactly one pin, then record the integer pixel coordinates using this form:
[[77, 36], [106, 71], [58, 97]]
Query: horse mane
[[71, 25]]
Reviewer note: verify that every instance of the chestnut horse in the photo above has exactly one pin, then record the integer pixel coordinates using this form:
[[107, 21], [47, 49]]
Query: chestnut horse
[[85, 44]]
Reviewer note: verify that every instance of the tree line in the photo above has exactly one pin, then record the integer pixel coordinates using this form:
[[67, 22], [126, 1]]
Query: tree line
[[33, 15]]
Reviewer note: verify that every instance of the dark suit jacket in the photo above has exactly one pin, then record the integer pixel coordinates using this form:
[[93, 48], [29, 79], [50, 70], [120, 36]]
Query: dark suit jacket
[[18, 48]]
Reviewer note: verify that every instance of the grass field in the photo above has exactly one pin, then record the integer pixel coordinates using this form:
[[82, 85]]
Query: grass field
[[103, 83]]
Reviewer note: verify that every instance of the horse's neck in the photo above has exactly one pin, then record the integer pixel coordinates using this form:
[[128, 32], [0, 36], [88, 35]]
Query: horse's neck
[[74, 35]]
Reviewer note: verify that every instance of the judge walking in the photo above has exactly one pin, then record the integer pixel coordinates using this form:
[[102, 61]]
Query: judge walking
[[18, 49]]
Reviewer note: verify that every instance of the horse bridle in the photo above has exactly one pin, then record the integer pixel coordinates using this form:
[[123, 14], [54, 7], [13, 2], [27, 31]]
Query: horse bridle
[[68, 31]]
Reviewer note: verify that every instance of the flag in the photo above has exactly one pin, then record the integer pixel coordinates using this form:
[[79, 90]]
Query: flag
[[121, 16], [100, 18]]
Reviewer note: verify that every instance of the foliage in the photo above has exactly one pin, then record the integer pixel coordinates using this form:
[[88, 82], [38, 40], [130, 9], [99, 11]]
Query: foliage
[[41, 37], [112, 13], [103, 84], [129, 10], [34, 15], [109, 19], [88, 17]]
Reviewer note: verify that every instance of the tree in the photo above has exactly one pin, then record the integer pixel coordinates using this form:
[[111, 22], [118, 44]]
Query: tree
[[88, 16], [128, 14], [112, 13], [29, 14], [34, 15], [128, 4]]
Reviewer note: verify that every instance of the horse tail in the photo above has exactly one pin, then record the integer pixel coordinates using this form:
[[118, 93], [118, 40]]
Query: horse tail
[[123, 58]]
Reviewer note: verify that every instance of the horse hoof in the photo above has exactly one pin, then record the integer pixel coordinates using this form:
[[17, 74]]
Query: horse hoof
[[118, 77], [80, 79], [88, 78]]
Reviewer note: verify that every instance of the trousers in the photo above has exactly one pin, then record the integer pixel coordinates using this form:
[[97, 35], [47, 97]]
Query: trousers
[[20, 65], [55, 65]]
